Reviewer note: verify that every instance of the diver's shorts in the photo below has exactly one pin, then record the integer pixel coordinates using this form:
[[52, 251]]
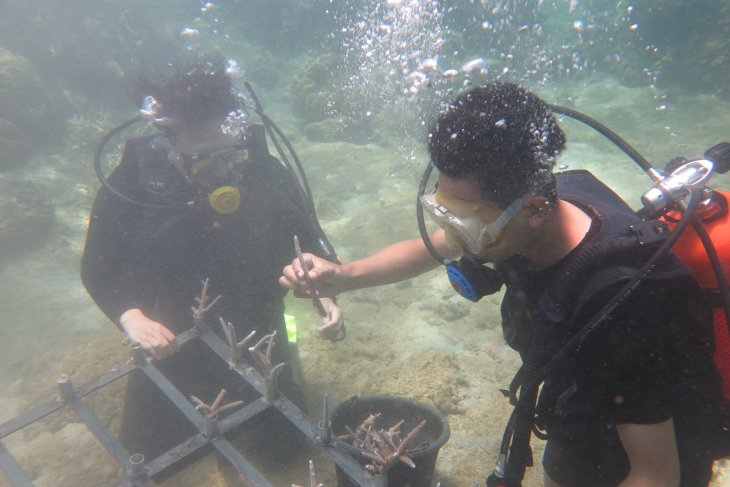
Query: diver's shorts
[[603, 463]]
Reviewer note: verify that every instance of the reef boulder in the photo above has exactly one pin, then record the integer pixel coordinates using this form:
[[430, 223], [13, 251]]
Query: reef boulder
[[26, 218], [29, 115]]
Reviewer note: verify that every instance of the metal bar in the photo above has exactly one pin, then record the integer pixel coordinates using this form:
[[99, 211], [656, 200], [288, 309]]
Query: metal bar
[[242, 415], [12, 469], [55, 404], [175, 454], [296, 416], [239, 462], [181, 402], [199, 440], [85, 414], [177, 398], [72, 397]]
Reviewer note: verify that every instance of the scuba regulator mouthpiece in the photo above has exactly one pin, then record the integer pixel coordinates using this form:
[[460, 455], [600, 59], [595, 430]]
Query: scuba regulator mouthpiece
[[225, 199], [473, 280], [218, 173]]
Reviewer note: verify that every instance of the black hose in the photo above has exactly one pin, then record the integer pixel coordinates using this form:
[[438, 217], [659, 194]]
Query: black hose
[[609, 134], [103, 180], [273, 130], [717, 268], [580, 265]]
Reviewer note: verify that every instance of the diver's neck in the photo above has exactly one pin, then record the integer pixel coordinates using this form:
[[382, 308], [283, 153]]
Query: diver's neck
[[564, 229]]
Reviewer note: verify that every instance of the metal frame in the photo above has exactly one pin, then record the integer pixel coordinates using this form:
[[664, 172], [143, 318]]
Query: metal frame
[[137, 472]]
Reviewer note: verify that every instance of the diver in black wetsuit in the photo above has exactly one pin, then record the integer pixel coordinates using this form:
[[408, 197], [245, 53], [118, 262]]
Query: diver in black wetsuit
[[203, 199]]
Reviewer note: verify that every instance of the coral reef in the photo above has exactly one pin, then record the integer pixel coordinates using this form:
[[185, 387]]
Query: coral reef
[[29, 115], [25, 218], [312, 98], [325, 105]]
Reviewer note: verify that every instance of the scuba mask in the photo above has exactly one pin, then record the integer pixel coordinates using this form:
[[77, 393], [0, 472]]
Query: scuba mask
[[467, 221], [474, 231]]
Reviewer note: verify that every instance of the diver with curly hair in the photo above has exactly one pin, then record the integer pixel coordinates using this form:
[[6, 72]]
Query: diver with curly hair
[[637, 401]]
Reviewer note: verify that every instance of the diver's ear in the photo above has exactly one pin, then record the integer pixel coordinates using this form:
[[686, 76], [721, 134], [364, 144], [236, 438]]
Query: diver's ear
[[538, 209]]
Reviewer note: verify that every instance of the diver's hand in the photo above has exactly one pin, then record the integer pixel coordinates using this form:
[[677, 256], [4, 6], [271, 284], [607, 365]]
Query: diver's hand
[[333, 326], [326, 277], [154, 337]]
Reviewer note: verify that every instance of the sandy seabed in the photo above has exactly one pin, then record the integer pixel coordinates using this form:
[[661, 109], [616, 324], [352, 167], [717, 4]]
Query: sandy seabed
[[416, 339]]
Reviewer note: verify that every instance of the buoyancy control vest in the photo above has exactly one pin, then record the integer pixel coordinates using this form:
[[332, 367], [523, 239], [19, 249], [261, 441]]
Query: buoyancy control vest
[[620, 242], [539, 322]]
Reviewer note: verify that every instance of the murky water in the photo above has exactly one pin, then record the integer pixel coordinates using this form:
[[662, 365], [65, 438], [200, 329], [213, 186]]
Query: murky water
[[354, 85]]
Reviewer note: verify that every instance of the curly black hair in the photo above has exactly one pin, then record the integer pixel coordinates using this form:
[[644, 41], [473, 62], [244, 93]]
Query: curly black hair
[[196, 91], [502, 135]]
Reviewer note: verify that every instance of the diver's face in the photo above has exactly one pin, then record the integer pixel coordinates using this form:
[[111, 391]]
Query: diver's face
[[197, 137], [466, 193]]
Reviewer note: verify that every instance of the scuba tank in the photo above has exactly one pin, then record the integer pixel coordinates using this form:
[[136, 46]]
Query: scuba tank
[[705, 248]]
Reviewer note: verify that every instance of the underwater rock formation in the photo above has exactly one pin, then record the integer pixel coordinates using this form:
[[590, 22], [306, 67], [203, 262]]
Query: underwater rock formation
[[320, 99], [26, 218], [339, 128], [312, 98], [29, 115]]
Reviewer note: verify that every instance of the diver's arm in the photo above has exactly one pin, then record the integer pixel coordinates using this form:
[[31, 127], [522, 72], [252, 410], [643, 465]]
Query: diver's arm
[[395, 263], [112, 283], [652, 452], [398, 262]]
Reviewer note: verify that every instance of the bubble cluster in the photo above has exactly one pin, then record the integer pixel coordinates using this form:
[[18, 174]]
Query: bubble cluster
[[236, 124]]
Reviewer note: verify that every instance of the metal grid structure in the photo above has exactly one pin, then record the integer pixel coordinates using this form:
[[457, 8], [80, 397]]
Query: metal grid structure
[[138, 472]]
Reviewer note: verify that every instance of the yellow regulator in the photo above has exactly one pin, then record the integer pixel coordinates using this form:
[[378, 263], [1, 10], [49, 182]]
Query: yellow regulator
[[225, 200]]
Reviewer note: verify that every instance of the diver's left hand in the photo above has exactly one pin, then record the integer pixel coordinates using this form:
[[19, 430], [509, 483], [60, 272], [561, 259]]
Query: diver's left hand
[[333, 325]]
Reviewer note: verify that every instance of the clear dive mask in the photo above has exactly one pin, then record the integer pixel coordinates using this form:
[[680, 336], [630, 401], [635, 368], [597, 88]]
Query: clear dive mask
[[467, 221]]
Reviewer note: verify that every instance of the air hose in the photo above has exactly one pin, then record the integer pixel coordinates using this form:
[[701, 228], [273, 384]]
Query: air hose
[[273, 130], [103, 180]]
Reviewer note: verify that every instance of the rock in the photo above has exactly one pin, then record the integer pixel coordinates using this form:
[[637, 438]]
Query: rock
[[312, 98], [26, 218], [29, 116], [340, 128]]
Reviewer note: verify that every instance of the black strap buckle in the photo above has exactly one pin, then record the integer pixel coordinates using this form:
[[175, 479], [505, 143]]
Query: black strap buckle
[[649, 232]]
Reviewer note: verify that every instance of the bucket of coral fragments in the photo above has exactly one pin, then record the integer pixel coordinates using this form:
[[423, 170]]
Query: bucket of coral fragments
[[388, 411]]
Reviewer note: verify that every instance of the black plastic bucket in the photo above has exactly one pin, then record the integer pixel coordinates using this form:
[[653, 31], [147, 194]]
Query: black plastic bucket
[[423, 450]]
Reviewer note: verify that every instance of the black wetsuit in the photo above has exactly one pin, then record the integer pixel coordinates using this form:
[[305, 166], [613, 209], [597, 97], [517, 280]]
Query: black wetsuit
[[650, 361], [156, 259]]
